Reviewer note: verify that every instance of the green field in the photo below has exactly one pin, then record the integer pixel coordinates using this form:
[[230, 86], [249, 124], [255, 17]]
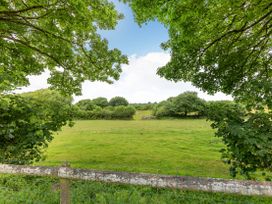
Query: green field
[[139, 114], [179, 147]]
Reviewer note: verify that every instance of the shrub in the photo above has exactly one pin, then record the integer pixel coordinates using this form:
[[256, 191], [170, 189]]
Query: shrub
[[143, 106], [247, 137], [165, 109], [118, 101], [108, 113], [101, 102], [183, 105], [27, 124], [123, 112], [86, 105]]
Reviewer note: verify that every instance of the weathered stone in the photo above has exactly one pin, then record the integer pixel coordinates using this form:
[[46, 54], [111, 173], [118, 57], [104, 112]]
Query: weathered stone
[[179, 182]]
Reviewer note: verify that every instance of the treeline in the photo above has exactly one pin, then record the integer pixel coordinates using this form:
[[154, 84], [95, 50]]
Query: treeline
[[100, 108], [187, 105], [143, 106]]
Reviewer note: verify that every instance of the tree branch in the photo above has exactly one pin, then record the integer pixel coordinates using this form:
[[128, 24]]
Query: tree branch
[[14, 12], [28, 24], [242, 29], [22, 10], [35, 49]]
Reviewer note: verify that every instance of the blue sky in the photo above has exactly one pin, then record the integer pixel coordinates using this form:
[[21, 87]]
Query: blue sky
[[131, 39], [138, 82]]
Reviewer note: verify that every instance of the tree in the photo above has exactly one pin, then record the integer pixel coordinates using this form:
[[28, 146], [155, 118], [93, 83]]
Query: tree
[[59, 36], [248, 137], [181, 105], [165, 109], [101, 101], [217, 45], [28, 122], [118, 101], [188, 102], [85, 104], [123, 112], [223, 46]]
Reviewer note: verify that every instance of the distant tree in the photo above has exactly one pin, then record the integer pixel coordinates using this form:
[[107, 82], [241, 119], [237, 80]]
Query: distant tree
[[28, 122], [85, 104], [118, 101], [108, 113], [123, 112], [181, 105], [188, 102], [165, 109], [101, 101], [143, 106]]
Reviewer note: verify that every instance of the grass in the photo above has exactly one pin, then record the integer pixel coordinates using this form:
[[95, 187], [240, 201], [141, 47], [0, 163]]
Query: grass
[[178, 147], [140, 114], [30, 190]]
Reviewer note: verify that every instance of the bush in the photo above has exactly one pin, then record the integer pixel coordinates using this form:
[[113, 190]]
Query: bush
[[184, 105], [27, 124], [108, 113], [143, 106], [86, 105], [123, 112], [247, 137], [118, 101], [165, 109], [101, 102]]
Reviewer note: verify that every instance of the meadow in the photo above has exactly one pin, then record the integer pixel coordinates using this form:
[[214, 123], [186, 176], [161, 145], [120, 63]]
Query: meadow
[[176, 147]]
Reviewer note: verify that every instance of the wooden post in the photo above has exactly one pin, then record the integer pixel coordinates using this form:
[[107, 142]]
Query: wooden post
[[65, 188]]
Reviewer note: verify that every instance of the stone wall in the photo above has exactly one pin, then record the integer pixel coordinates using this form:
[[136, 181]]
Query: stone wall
[[155, 180]]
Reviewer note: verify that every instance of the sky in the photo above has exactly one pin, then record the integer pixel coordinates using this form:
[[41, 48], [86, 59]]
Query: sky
[[138, 82]]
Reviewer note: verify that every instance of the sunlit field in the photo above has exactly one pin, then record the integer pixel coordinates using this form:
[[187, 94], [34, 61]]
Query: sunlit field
[[177, 147]]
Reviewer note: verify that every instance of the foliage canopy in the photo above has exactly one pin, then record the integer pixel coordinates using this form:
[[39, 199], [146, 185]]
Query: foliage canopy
[[248, 137], [218, 45], [181, 106], [85, 104], [118, 101], [100, 108], [101, 102], [62, 38], [59, 36], [223, 46]]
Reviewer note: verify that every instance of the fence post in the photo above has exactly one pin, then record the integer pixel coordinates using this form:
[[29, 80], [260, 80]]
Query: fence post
[[65, 188]]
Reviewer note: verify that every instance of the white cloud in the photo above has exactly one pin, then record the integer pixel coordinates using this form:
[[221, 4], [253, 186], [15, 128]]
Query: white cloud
[[138, 82], [36, 83]]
